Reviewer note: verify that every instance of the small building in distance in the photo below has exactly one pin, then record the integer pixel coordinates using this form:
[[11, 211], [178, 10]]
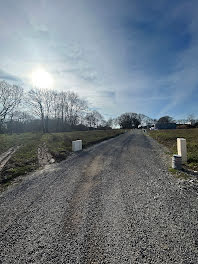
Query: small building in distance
[[191, 123], [165, 126]]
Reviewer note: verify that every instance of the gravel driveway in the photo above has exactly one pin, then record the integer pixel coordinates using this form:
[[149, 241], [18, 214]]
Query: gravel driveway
[[112, 203]]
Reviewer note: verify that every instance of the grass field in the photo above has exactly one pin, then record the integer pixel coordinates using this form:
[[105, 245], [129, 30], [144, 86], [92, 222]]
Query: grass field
[[169, 139], [59, 145]]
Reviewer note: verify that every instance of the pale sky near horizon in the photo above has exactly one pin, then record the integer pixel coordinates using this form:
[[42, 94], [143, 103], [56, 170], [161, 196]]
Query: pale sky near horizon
[[120, 55]]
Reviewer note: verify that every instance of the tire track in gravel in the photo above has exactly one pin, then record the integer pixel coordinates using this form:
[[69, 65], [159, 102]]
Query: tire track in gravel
[[112, 203], [90, 207], [39, 183]]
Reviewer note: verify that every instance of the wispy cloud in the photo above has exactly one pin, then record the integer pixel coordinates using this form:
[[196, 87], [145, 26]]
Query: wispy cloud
[[9, 77], [120, 55]]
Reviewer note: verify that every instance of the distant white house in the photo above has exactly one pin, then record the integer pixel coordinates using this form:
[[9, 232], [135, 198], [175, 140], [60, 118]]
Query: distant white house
[[186, 122], [146, 125]]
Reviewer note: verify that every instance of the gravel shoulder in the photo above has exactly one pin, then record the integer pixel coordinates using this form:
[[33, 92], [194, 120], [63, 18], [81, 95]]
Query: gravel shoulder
[[115, 202]]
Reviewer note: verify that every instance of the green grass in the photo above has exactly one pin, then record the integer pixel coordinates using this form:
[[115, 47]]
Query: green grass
[[62, 141], [25, 159], [169, 139], [8, 141]]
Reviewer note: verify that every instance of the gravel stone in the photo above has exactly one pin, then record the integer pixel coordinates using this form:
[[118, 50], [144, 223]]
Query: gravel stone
[[115, 202]]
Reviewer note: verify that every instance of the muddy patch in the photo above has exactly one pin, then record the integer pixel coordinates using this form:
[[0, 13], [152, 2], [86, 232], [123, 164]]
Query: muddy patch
[[44, 156], [4, 157]]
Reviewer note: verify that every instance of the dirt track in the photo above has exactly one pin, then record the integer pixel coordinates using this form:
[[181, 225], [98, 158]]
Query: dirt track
[[4, 157], [112, 203]]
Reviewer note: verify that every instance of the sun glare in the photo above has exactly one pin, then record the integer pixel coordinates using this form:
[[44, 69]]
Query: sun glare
[[42, 79]]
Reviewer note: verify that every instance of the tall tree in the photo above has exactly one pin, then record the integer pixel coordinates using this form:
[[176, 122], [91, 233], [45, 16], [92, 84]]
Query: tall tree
[[165, 120], [94, 119], [129, 120], [35, 98], [110, 123], [10, 98]]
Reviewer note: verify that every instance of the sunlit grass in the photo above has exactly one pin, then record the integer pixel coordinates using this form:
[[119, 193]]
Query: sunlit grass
[[59, 145], [169, 139]]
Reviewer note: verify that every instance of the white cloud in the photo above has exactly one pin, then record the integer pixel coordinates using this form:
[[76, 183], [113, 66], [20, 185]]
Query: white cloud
[[110, 53]]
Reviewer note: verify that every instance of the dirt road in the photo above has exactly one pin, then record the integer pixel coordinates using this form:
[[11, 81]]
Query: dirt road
[[112, 203]]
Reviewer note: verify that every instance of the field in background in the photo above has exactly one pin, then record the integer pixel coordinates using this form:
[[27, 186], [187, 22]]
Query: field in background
[[25, 159], [169, 139]]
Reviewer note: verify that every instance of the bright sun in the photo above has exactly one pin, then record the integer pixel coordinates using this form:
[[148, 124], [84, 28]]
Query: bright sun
[[42, 79]]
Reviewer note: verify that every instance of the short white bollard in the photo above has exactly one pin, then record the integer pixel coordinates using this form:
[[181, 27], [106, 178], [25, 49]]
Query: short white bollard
[[181, 149], [76, 145]]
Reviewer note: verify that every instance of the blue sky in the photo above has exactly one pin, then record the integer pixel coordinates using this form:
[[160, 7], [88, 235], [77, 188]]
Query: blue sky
[[120, 55]]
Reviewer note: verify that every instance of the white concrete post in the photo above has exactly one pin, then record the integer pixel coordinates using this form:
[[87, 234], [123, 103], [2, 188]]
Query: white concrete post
[[76, 145], [181, 149]]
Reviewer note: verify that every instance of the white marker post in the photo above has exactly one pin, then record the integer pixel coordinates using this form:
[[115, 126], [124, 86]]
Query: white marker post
[[76, 145], [181, 149]]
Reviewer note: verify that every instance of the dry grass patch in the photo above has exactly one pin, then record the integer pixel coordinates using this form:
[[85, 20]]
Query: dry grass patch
[[169, 139], [25, 159]]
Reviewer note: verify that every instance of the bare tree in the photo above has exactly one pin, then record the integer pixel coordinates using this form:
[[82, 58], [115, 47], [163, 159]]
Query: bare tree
[[90, 119], [94, 119], [65, 106], [48, 105], [99, 119], [75, 108], [17, 120], [129, 120], [191, 119], [55, 101], [110, 123], [35, 98], [145, 120], [10, 98]]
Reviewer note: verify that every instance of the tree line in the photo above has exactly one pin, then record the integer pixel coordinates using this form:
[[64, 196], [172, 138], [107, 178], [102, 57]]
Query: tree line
[[134, 120], [44, 110], [53, 111]]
